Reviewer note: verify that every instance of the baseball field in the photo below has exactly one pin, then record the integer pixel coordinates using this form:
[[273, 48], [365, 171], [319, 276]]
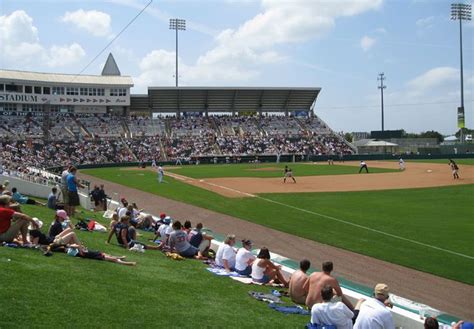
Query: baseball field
[[419, 218]]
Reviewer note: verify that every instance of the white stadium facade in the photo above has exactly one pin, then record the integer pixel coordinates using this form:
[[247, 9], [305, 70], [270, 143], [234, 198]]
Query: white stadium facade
[[36, 93]]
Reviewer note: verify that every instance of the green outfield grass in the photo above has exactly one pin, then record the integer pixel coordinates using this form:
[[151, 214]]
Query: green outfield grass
[[438, 217], [269, 170], [68, 292], [469, 162]]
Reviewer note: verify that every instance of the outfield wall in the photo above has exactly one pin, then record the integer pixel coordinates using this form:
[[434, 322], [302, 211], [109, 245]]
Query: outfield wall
[[284, 158]]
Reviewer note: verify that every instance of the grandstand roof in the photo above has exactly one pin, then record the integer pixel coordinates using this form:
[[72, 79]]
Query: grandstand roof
[[229, 99], [56, 78]]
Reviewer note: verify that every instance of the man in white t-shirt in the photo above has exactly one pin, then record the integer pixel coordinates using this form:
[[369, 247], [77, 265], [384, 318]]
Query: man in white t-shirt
[[164, 231], [225, 255], [373, 312], [329, 313]]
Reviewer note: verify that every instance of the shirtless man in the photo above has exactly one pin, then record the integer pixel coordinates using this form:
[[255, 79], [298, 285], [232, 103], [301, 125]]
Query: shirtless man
[[317, 281], [297, 281]]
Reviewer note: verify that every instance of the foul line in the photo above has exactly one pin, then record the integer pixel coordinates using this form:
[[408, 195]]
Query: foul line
[[366, 228], [341, 221]]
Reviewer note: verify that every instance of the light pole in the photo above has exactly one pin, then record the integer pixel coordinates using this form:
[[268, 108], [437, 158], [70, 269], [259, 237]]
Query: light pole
[[461, 11], [381, 78], [177, 24]]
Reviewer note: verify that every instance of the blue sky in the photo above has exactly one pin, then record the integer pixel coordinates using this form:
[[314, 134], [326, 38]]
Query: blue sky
[[340, 46]]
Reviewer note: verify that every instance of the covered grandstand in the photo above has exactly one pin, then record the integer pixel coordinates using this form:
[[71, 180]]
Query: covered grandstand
[[233, 100]]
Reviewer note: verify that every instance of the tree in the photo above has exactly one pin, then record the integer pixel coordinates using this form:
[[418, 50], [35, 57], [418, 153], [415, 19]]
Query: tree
[[348, 137], [465, 131], [432, 134]]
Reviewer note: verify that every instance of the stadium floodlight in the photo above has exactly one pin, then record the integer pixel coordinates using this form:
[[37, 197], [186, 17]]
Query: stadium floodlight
[[381, 78], [178, 25], [461, 11]]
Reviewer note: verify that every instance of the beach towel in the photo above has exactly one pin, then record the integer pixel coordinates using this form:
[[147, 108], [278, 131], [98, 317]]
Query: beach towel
[[221, 272], [247, 280], [293, 309], [269, 298]]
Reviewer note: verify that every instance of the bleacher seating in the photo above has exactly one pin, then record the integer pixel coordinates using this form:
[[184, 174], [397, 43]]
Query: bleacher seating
[[94, 138]]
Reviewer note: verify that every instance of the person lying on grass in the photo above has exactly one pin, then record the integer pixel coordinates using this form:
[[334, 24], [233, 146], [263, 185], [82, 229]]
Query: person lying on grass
[[21, 199], [178, 242], [126, 235], [265, 271], [81, 251]]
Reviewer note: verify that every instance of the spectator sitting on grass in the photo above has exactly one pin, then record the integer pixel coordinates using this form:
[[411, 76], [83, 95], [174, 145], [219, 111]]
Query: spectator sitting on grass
[[297, 283], [265, 271], [318, 280], [60, 223], [187, 226], [178, 242], [244, 259], [21, 199], [53, 198], [225, 255], [373, 312], [164, 231], [113, 221], [126, 235], [200, 239], [13, 222]]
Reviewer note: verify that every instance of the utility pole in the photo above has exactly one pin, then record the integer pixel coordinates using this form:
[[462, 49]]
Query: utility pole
[[381, 78], [178, 25]]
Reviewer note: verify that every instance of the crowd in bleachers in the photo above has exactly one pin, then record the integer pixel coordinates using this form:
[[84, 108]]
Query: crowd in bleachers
[[94, 138]]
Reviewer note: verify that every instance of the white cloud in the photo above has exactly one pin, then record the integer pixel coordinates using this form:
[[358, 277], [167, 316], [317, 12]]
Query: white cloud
[[426, 22], [93, 21], [367, 42], [240, 53], [380, 30], [435, 77], [20, 43], [65, 55]]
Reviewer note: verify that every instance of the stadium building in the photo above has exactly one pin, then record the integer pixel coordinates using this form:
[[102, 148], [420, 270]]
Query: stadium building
[[31, 93]]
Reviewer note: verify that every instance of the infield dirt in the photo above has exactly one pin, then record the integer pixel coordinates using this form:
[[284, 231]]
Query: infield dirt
[[416, 175]]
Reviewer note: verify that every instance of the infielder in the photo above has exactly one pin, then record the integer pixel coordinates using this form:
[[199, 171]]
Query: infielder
[[288, 174], [363, 165], [401, 163]]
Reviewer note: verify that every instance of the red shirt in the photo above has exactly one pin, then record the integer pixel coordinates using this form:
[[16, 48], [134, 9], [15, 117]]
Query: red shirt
[[6, 215]]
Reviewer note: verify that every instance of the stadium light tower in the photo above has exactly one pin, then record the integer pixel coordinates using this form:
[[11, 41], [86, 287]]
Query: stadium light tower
[[381, 78], [461, 11], [178, 25]]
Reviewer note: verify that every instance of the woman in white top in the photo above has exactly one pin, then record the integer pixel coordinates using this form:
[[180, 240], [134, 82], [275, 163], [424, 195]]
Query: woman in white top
[[225, 255], [244, 259], [264, 271]]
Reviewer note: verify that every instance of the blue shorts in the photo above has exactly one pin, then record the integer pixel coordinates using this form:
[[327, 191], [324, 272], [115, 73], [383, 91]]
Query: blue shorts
[[246, 271], [264, 279], [190, 252]]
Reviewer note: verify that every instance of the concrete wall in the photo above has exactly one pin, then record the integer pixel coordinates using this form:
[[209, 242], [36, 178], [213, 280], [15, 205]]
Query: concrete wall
[[38, 190]]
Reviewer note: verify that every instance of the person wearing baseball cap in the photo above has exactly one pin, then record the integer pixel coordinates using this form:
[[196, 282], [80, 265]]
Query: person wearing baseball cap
[[373, 313], [61, 222], [8, 229]]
